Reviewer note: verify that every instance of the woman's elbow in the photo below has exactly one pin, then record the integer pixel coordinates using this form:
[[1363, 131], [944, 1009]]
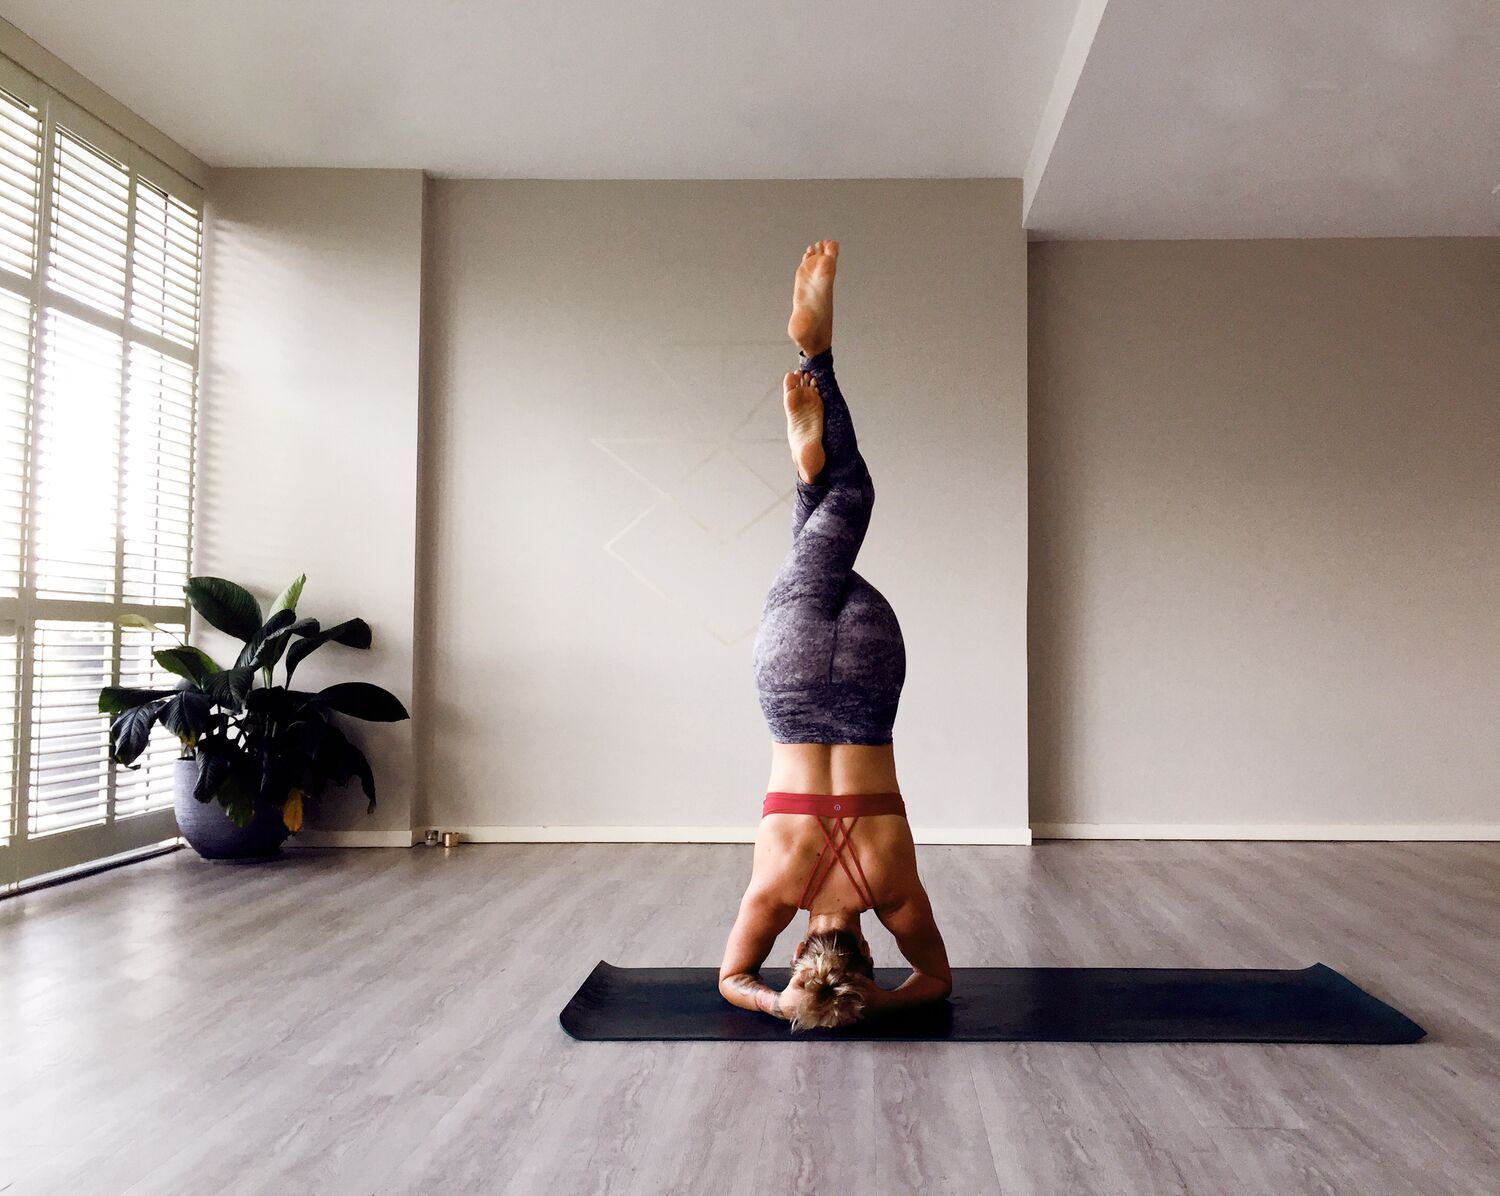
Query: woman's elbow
[[733, 987]]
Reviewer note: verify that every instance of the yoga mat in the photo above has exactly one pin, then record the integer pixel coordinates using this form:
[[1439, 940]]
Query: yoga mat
[[1312, 1004]]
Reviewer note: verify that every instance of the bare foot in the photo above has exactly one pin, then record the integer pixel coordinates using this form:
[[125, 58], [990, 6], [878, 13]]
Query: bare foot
[[804, 424], [811, 325]]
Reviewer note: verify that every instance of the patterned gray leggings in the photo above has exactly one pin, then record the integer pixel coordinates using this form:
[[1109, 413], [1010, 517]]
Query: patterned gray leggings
[[829, 658]]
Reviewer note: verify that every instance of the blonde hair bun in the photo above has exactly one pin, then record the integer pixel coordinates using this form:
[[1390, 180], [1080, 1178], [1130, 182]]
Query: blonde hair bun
[[826, 969]]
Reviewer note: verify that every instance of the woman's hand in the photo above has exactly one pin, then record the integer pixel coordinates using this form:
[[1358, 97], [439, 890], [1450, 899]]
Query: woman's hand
[[916, 989], [875, 998]]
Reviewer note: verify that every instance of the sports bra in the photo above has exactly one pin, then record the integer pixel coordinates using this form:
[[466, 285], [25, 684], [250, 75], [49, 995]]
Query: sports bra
[[836, 843]]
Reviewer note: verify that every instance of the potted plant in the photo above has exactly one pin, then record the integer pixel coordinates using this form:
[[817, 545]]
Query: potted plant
[[252, 756]]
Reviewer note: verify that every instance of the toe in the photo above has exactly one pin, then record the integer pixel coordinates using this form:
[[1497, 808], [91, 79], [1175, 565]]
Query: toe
[[792, 381], [831, 248]]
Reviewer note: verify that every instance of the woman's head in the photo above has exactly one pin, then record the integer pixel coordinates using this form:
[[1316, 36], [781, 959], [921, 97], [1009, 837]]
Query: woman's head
[[829, 972]]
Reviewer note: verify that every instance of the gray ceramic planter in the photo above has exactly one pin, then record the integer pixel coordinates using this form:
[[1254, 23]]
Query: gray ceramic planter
[[212, 834]]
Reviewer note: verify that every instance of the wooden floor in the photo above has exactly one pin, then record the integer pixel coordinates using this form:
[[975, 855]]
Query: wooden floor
[[386, 1021]]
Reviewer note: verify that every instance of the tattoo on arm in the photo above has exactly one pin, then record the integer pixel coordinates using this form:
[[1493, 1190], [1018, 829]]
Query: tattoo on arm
[[756, 992]]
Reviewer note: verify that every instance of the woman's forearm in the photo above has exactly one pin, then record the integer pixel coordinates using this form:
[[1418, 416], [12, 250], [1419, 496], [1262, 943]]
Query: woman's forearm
[[917, 989], [751, 992]]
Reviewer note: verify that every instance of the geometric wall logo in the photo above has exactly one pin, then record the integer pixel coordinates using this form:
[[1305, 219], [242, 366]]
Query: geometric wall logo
[[717, 484]]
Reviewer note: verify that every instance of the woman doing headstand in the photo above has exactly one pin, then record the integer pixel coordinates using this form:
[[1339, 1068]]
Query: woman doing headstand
[[829, 665]]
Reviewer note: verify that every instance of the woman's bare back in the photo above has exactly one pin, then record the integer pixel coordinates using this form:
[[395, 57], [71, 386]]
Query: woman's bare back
[[788, 848]]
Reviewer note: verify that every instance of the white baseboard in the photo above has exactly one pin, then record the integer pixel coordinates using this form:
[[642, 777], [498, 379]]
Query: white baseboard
[[605, 834], [353, 839], [1375, 832], [1019, 836], [1012, 836], [1478, 832]]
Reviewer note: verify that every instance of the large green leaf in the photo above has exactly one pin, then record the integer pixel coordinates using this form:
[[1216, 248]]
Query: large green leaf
[[352, 633], [237, 795], [274, 647], [273, 786], [288, 598], [188, 714], [366, 777], [131, 731], [116, 699], [223, 604], [229, 687], [276, 702], [213, 767], [343, 760], [360, 699], [265, 638], [187, 661]]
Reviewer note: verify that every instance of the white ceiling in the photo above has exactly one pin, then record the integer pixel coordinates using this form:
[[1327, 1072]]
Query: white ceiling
[[1128, 118], [1280, 118], [577, 88]]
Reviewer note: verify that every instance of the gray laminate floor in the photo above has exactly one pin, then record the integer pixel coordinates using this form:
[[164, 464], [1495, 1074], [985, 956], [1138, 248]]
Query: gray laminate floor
[[386, 1021]]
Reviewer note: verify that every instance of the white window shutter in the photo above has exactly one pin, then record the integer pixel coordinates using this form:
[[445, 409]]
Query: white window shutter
[[164, 282], [76, 458], [20, 206], [17, 326], [90, 226], [10, 660], [20, 183], [69, 742], [157, 463], [100, 296]]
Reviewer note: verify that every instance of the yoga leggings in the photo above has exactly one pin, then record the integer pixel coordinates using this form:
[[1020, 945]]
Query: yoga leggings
[[829, 658]]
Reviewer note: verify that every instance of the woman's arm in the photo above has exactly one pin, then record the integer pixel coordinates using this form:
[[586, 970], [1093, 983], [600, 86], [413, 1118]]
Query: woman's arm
[[749, 991], [761, 918], [917, 989], [909, 919]]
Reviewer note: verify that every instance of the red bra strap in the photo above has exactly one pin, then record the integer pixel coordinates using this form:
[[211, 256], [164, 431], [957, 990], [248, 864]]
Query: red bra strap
[[866, 894], [818, 876], [835, 845]]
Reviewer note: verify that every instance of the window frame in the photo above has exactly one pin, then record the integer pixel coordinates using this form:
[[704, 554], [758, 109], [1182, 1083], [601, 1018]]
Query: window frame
[[22, 857]]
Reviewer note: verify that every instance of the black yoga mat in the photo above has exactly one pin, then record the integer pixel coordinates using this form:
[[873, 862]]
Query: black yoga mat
[[1312, 1004]]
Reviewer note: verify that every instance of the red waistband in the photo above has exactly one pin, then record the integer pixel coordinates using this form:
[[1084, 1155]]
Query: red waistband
[[834, 805]]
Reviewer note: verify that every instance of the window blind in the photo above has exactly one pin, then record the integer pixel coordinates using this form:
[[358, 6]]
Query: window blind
[[100, 271]]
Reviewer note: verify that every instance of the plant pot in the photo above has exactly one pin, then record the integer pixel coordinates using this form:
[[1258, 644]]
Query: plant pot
[[209, 829]]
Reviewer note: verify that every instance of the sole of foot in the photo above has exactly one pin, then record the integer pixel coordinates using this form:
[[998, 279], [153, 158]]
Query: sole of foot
[[804, 423], [811, 325]]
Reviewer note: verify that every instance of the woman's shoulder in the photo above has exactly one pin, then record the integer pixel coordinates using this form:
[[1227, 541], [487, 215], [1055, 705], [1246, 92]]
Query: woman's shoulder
[[889, 855]]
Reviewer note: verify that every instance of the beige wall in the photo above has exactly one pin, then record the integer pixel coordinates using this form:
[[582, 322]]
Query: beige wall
[[1265, 482], [608, 482], [309, 428], [1264, 562]]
